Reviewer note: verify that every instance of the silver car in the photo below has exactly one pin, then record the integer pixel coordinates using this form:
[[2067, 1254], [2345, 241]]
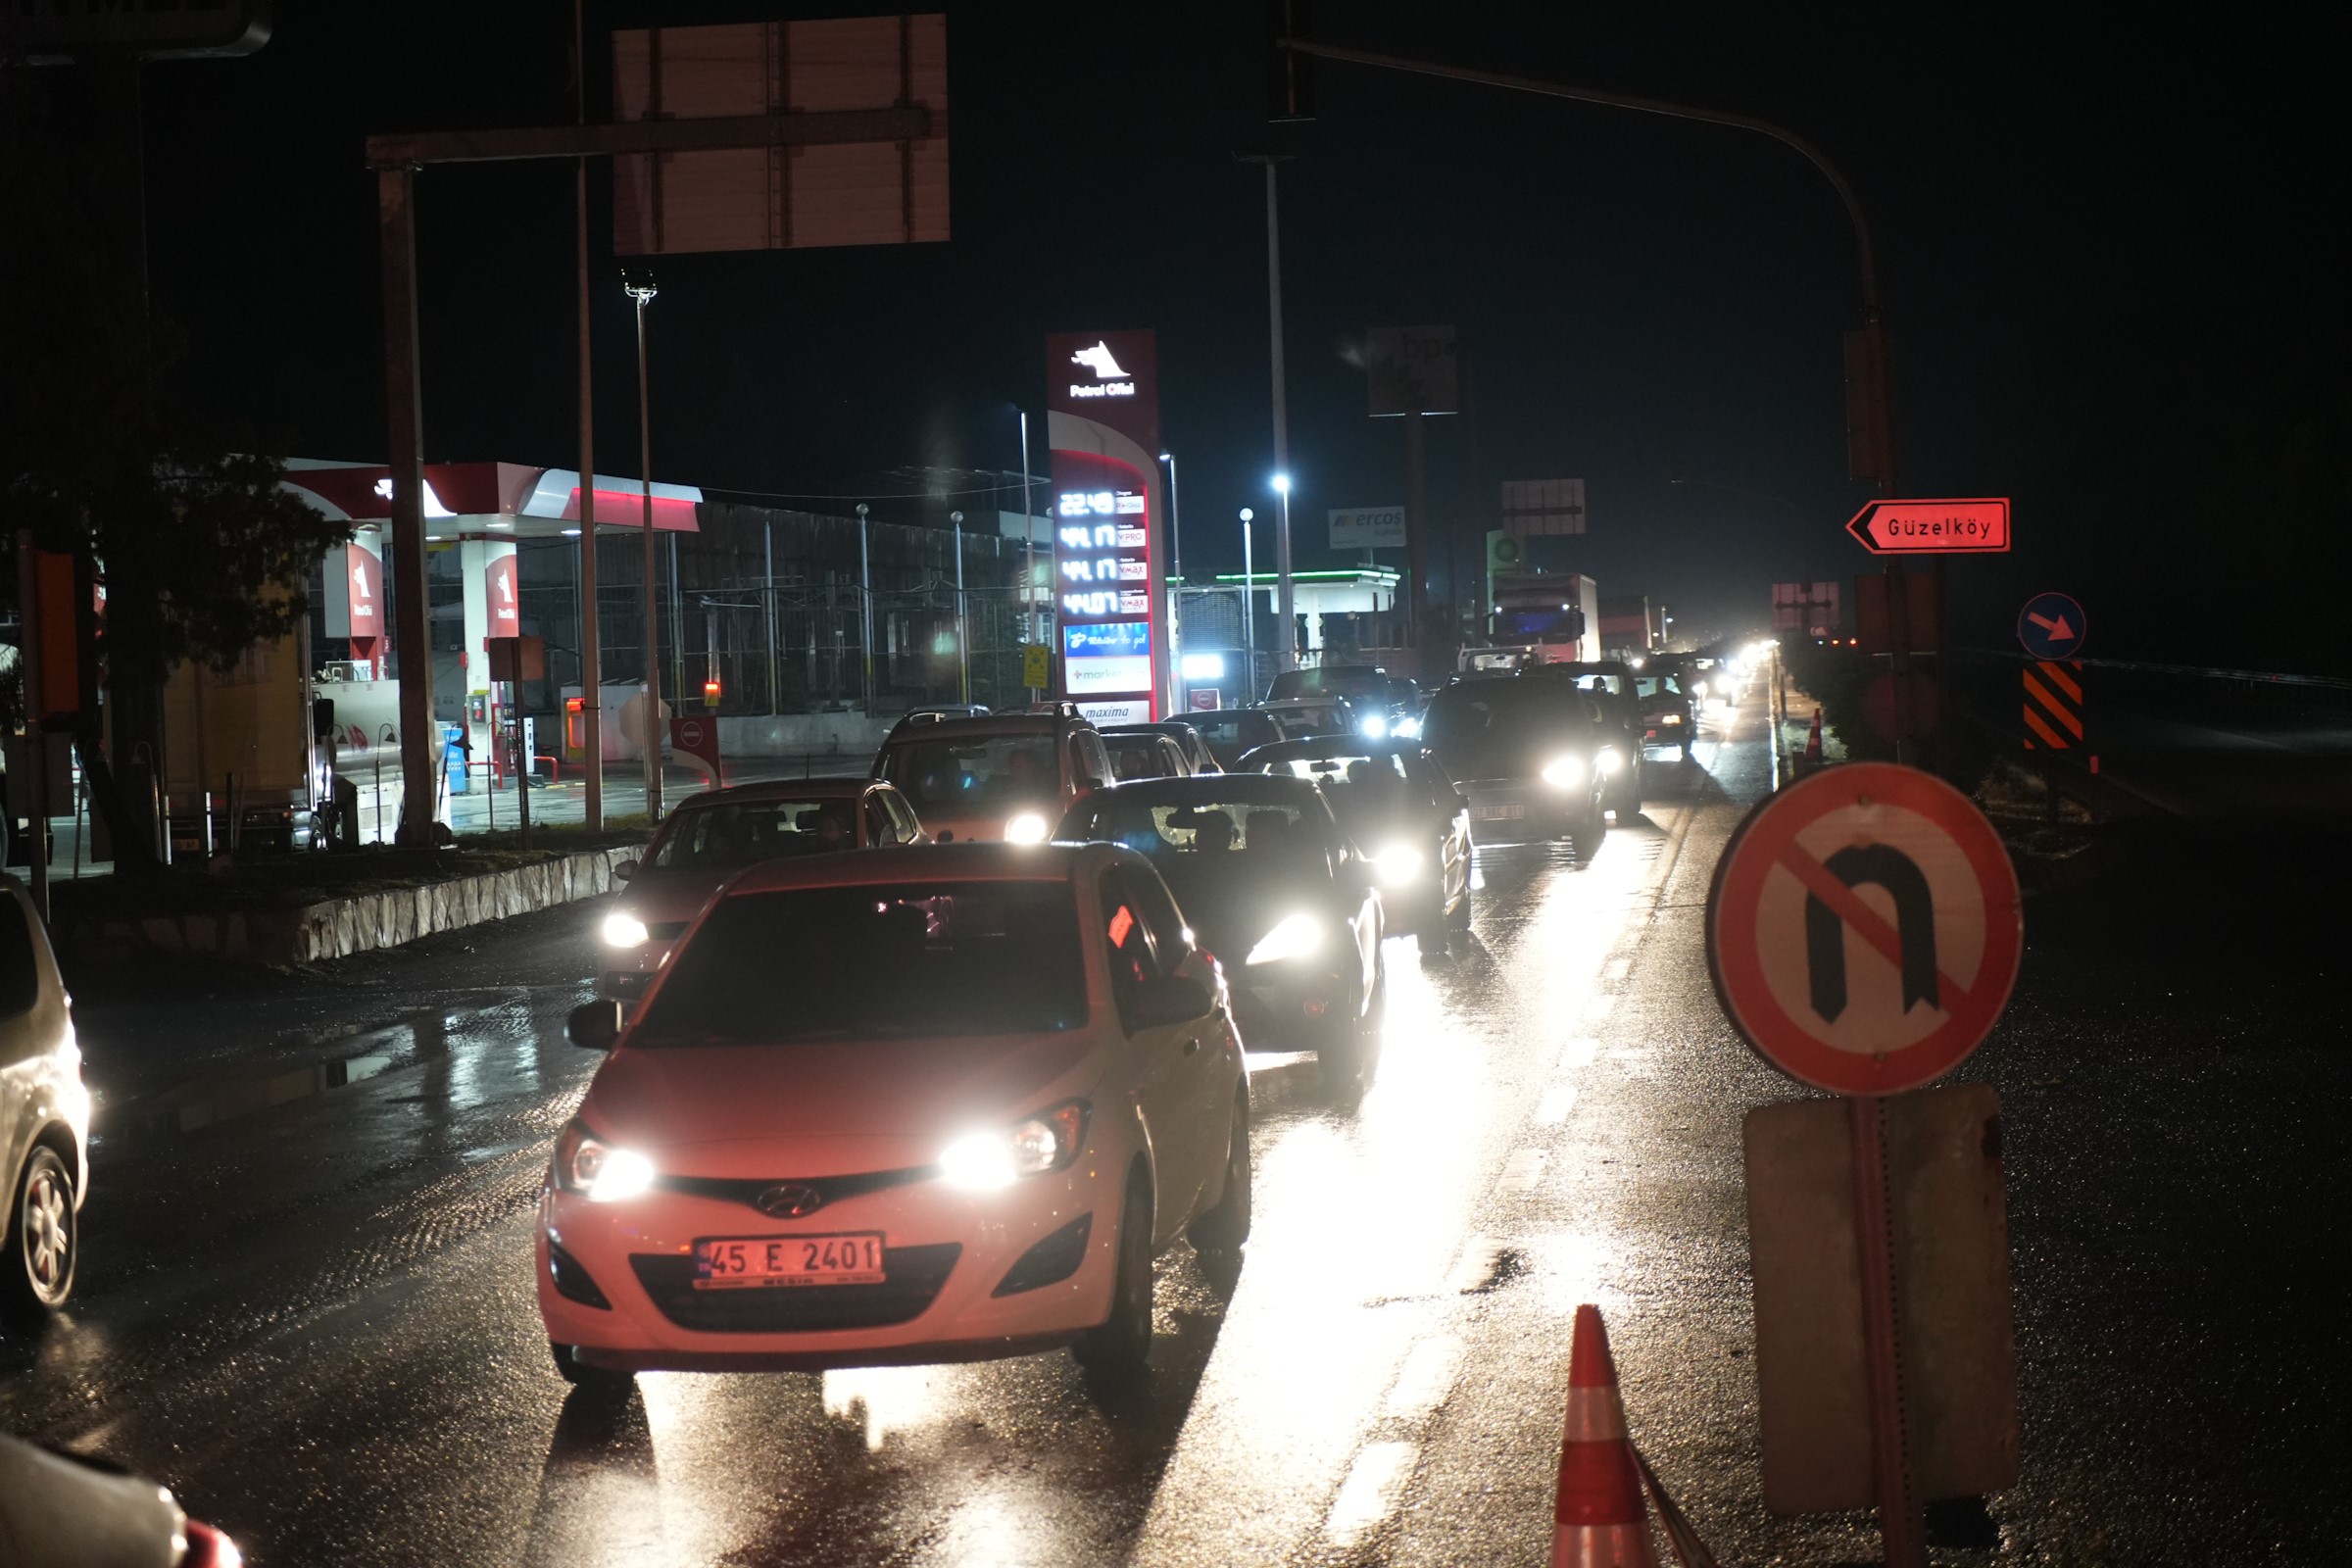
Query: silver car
[[716, 834], [44, 1117]]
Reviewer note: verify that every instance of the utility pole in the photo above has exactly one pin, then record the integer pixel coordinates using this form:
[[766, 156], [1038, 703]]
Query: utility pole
[[1028, 550], [592, 795], [1286, 643], [643, 291], [1176, 683], [865, 608], [964, 645]]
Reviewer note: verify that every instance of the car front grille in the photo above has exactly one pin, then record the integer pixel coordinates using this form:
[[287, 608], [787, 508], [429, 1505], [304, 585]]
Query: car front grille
[[828, 1190], [913, 1276]]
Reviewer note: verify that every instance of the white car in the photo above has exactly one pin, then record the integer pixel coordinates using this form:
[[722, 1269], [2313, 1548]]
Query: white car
[[44, 1117], [915, 1105]]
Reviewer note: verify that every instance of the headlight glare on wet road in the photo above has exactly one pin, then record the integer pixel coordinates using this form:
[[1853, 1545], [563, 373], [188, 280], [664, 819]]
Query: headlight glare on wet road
[[1028, 827], [1564, 772], [1295, 936], [624, 930]]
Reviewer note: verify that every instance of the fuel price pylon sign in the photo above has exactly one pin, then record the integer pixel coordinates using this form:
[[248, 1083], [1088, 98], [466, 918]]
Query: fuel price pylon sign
[[1864, 928]]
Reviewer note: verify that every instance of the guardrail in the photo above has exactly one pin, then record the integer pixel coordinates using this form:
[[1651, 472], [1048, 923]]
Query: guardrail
[[2256, 684]]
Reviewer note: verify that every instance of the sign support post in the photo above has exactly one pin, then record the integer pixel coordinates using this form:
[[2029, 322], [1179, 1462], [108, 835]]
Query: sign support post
[[1900, 1522]]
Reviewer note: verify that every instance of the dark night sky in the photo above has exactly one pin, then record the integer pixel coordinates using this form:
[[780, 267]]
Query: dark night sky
[[2110, 260]]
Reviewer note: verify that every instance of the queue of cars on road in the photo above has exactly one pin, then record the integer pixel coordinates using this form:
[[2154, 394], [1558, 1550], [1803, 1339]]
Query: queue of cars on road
[[931, 1064]]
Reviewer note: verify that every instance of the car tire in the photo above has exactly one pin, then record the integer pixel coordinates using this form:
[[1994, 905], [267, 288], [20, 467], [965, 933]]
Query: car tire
[[1685, 750], [580, 1374], [1220, 1232], [1121, 1344], [44, 1239]]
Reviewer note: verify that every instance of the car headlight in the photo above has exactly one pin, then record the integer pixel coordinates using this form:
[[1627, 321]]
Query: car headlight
[[624, 930], [1406, 729], [1564, 772], [605, 1172], [998, 1156], [1608, 762], [1293, 936], [1028, 827], [1374, 726], [1397, 864]]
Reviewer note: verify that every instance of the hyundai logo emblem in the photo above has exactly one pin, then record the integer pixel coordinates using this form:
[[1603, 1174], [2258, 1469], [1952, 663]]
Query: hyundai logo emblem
[[790, 1200]]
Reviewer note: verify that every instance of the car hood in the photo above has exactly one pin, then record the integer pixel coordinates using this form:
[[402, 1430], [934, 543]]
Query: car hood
[[1517, 754], [923, 1090], [1230, 911], [659, 896]]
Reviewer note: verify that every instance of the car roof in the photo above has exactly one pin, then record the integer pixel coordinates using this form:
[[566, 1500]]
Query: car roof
[[1199, 713], [823, 786], [930, 863], [1158, 726], [1215, 787], [944, 729], [1343, 745]]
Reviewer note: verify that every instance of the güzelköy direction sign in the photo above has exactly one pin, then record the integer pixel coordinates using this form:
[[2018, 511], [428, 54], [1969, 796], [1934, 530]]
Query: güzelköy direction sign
[[1932, 528], [1864, 928]]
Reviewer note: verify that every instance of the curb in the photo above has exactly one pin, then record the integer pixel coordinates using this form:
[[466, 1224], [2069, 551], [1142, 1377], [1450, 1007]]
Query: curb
[[338, 928]]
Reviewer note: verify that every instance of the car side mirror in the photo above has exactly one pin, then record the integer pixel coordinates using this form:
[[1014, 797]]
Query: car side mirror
[[1177, 999], [625, 870], [594, 1025]]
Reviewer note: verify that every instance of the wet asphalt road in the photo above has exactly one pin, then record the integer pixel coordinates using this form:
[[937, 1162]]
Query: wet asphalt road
[[311, 1313]]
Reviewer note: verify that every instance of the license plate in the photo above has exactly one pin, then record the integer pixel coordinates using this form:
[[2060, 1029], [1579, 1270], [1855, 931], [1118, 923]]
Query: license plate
[[1511, 813], [753, 1263]]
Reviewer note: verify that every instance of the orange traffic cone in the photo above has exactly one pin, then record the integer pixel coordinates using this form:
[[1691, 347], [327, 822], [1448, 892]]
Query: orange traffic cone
[[1813, 739], [1597, 1517]]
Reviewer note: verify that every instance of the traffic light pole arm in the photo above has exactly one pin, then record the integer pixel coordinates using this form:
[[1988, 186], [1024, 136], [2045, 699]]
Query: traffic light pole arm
[[1647, 105]]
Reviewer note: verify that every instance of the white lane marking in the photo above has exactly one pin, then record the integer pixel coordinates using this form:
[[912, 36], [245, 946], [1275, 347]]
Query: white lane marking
[[1600, 1006], [1617, 969], [1557, 1101], [1425, 1378], [1370, 1490], [1580, 1052], [1522, 1171]]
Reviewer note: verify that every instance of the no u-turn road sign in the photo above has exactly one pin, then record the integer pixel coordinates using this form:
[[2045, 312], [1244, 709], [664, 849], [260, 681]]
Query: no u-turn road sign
[[1864, 928]]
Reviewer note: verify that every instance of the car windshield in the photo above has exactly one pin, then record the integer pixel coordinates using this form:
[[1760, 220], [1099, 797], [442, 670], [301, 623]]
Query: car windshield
[[1654, 685], [1353, 684], [1359, 788], [1235, 731], [973, 775], [1258, 832], [865, 963], [742, 832], [1462, 715], [1135, 757]]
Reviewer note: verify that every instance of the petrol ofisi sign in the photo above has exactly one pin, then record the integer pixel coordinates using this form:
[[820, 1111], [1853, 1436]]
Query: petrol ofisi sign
[[1103, 425]]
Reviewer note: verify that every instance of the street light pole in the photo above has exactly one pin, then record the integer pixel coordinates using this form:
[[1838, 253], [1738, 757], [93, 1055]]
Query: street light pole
[[1249, 614], [963, 655], [1285, 647], [641, 290], [1028, 549], [1176, 683], [865, 608]]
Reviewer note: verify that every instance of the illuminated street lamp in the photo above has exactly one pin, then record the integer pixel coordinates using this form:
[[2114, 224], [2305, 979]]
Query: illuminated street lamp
[[639, 286]]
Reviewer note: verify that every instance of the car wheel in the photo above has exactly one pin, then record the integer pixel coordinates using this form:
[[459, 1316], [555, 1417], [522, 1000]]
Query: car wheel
[[1121, 1344], [44, 1239], [580, 1374], [1685, 750], [1220, 1232]]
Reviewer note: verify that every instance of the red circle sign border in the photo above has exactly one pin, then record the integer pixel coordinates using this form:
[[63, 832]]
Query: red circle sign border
[[1755, 848]]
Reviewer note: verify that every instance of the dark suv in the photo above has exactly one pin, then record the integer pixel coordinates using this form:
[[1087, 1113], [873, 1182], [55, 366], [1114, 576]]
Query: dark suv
[[1530, 754], [1666, 715], [1608, 686]]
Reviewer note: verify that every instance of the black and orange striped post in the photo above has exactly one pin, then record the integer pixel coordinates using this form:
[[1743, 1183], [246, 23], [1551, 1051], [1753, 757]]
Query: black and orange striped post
[[2053, 707]]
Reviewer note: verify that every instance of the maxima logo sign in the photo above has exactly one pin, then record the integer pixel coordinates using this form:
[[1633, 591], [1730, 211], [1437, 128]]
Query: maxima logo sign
[[1110, 382]]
